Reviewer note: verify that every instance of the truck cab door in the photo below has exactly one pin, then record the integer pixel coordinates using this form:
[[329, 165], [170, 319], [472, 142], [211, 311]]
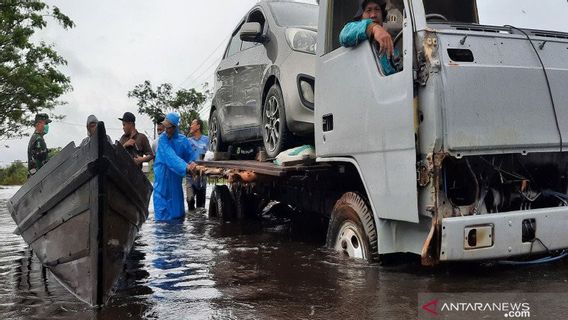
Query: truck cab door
[[366, 116]]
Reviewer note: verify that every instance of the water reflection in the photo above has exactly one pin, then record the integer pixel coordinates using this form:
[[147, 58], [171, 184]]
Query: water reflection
[[205, 269]]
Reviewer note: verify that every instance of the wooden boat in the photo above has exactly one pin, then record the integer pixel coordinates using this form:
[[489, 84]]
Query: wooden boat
[[80, 214]]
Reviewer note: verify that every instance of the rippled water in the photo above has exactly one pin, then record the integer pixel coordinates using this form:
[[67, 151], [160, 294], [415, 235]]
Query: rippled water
[[204, 269]]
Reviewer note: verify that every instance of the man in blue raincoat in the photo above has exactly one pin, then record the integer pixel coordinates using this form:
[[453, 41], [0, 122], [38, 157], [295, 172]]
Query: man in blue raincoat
[[174, 160]]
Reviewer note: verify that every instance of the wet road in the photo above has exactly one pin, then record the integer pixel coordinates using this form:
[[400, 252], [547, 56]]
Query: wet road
[[204, 269]]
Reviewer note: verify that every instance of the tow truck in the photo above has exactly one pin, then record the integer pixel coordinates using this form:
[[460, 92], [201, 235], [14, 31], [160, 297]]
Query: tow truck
[[460, 155]]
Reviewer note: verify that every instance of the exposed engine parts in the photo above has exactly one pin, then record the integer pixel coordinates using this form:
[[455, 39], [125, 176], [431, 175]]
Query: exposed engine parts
[[503, 183]]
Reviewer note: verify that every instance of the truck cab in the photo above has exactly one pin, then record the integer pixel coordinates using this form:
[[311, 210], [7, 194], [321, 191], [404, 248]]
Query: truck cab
[[460, 154]]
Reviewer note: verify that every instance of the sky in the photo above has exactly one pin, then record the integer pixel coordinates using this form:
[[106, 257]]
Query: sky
[[118, 44]]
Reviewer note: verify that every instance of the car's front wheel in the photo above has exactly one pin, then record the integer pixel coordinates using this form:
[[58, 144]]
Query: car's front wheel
[[275, 133]]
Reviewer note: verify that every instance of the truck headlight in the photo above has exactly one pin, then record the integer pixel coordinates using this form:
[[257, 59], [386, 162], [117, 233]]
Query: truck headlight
[[302, 40]]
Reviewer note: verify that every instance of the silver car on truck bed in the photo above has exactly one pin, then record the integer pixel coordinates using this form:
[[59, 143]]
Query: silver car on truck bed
[[264, 85]]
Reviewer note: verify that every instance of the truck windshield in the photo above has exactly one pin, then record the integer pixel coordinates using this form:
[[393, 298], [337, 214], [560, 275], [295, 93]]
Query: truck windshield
[[542, 14], [291, 14]]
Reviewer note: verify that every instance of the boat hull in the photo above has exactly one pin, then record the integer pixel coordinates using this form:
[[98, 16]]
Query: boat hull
[[80, 214]]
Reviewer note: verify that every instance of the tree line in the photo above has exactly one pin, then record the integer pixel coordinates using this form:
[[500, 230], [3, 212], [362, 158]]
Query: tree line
[[31, 81]]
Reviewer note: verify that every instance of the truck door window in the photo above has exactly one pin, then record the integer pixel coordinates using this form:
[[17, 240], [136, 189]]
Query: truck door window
[[345, 11], [342, 12]]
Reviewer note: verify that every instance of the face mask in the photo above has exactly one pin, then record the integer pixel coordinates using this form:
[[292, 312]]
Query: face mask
[[46, 129]]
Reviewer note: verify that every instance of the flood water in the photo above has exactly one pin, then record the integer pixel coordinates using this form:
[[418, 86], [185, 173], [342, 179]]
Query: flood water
[[205, 269]]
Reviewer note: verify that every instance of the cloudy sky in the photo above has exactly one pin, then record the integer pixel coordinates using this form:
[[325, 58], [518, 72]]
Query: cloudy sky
[[117, 44], [120, 43]]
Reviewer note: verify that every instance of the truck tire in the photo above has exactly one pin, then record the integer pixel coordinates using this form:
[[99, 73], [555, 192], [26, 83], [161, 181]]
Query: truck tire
[[247, 204], [275, 134], [352, 229], [221, 204], [216, 143]]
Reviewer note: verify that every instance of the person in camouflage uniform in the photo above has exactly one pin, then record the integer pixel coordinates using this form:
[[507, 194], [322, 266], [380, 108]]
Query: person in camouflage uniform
[[37, 149]]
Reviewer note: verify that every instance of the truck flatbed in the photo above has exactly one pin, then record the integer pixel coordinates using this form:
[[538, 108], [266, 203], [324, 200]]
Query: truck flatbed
[[259, 168]]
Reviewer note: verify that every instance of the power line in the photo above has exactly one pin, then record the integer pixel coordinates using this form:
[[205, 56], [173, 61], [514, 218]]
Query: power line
[[212, 54], [215, 62]]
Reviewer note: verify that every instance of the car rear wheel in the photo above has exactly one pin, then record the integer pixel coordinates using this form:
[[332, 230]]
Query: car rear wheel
[[275, 133], [215, 138], [352, 228]]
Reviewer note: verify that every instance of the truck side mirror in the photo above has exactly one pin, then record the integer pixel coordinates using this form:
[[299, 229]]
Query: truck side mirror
[[251, 32]]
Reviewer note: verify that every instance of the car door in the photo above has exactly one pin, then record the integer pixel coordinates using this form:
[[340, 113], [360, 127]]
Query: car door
[[225, 96], [252, 63]]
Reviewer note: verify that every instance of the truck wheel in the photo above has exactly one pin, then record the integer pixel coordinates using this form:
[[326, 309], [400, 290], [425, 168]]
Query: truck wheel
[[216, 143], [247, 204], [275, 133], [221, 204], [352, 228]]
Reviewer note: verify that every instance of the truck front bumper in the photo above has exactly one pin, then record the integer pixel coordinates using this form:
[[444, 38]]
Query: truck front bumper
[[503, 235]]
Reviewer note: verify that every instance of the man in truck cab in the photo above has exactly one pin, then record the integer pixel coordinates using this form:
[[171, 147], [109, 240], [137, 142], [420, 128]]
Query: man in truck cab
[[369, 25]]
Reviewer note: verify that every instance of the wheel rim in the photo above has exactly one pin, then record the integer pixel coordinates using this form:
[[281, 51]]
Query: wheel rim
[[213, 129], [271, 124], [350, 241]]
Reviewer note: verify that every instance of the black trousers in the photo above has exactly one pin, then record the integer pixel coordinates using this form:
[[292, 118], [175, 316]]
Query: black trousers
[[195, 197]]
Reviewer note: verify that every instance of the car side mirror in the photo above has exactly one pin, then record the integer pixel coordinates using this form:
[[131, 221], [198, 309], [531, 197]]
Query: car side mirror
[[251, 32]]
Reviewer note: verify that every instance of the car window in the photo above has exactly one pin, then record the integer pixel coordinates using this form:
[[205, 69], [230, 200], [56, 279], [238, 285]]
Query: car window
[[255, 16], [290, 14], [235, 44]]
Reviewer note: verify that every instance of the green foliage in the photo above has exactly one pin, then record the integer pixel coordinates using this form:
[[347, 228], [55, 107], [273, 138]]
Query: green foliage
[[15, 174], [205, 128], [52, 152], [30, 81], [162, 99], [152, 102]]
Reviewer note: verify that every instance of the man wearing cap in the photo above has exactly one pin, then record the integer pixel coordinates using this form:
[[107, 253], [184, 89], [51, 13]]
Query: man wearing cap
[[174, 159], [92, 122], [37, 149], [135, 143]]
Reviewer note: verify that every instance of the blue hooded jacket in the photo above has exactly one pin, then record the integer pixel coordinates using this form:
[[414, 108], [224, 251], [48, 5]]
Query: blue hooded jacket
[[172, 157], [355, 32]]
